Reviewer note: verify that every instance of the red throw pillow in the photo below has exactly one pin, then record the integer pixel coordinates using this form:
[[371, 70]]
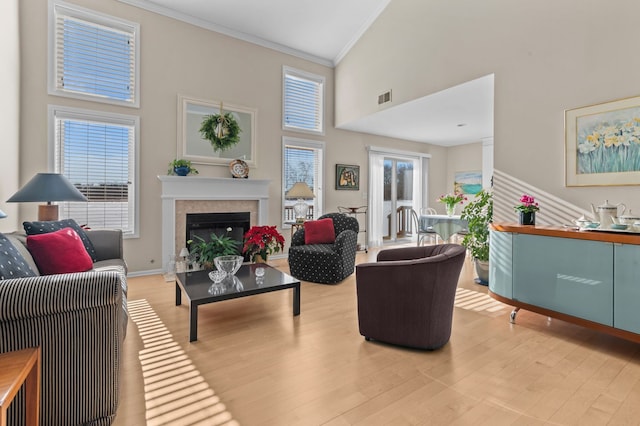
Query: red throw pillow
[[59, 252], [319, 231]]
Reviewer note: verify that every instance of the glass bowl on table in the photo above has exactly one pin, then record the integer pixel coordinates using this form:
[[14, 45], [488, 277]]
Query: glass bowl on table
[[228, 264], [217, 276]]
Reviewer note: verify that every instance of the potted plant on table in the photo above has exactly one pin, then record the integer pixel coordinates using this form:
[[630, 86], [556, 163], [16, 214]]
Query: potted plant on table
[[527, 210], [261, 241], [450, 201], [219, 245], [479, 214], [181, 168]]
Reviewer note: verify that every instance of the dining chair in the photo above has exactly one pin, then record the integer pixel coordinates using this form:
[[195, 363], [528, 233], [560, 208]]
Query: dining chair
[[422, 232], [428, 210]]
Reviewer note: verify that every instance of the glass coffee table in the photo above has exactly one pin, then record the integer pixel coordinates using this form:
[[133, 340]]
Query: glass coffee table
[[200, 290]]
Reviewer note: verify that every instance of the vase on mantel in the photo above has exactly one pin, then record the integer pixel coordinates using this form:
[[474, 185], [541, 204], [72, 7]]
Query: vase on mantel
[[527, 218], [451, 209]]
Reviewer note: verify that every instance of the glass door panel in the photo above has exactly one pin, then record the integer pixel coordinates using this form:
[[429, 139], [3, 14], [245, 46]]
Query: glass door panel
[[398, 199]]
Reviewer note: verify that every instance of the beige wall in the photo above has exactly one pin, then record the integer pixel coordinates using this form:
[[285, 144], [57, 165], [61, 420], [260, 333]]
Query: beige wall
[[176, 57], [9, 108], [547, 56]]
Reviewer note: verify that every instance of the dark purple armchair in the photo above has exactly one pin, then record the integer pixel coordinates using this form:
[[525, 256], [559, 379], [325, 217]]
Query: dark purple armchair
[[406, 297]]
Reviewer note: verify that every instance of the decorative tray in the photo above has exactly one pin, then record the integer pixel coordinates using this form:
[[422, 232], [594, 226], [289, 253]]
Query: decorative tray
[[629, 230]]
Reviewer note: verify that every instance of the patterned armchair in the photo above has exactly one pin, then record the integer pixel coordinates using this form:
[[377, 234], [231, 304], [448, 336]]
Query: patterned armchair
[[326, 263]]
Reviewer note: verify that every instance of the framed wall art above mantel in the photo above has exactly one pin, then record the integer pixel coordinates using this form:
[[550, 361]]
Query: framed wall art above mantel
[[191, 144], [602, 144]]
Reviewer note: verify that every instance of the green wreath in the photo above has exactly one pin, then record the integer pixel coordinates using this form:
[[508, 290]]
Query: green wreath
[[222, 131]]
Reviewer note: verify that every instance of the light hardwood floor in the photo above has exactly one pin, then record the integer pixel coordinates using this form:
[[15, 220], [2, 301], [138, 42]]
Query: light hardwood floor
[[256, 364]]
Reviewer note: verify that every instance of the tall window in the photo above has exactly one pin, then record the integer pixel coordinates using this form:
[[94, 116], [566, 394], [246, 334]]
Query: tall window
[[303, 161], [92, 56], [97, 153], [303, 101]]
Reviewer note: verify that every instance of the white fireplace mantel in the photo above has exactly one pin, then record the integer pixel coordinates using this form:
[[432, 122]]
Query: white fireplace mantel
[[206, 188]]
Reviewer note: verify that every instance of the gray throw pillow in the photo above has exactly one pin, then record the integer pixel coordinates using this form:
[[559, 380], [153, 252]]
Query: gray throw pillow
[[12, 263], [36, 228]]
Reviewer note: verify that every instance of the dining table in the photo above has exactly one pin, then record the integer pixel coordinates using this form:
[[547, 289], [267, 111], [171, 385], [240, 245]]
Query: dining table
[[444, 225]]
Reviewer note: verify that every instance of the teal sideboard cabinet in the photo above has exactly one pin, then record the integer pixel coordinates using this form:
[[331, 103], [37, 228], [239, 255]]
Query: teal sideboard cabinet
[[584, 277], [626, 297]]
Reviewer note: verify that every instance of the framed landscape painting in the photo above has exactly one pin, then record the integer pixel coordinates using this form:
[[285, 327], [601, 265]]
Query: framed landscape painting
[[602, 144], [467, 182]]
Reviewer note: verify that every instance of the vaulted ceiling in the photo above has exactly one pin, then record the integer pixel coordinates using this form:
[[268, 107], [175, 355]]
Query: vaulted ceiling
[[323, 32]]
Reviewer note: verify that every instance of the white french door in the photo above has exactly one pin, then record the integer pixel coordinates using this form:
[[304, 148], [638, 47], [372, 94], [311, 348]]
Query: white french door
[[397, 183]]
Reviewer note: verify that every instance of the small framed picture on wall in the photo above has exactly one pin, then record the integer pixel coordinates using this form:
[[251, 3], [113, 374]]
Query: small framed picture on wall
[[347, 177]]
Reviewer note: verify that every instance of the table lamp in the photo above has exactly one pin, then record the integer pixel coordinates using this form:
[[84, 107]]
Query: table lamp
[[181, 265], [47, 187], [2, 214], [300, 191]]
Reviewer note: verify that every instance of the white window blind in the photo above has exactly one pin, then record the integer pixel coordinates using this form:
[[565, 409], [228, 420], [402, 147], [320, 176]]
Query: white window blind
[[96, 152], [303, 162], [93, 56], [303, 101]]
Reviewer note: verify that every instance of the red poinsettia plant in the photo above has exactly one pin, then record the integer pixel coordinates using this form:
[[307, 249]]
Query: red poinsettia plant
[[263, 241]]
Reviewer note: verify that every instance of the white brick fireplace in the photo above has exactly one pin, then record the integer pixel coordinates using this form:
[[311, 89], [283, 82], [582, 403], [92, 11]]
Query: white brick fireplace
[[198, 194]]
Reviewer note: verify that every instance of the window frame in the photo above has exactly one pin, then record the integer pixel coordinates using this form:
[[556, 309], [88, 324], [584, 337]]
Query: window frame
[[54, 112], [288, 141], [315, 78], [95, 18]]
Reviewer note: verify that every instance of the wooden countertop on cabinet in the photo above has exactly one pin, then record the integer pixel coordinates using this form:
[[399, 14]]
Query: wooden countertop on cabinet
[[569, 232]]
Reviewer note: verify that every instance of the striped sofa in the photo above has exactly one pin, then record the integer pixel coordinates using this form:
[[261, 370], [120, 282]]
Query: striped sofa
[[79, 320]]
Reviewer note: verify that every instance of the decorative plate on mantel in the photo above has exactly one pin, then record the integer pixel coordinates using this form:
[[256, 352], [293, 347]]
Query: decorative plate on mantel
[[239, 169]]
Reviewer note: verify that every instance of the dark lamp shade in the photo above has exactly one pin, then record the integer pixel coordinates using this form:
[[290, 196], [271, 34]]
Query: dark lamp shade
[[47, 187]]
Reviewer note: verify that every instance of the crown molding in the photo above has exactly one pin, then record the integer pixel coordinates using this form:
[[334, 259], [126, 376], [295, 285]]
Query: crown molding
[[146, 5]]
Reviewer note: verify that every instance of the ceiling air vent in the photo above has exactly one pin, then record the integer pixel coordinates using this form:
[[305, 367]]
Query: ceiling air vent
[[384, 98]]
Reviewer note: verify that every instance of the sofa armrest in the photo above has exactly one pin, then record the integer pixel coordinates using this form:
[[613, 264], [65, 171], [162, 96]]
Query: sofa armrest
[[49, 295], [107, 242], [77, 321]]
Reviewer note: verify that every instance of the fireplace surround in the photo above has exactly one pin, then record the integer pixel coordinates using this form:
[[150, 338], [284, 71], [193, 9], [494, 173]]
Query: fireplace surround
[[198, 194]]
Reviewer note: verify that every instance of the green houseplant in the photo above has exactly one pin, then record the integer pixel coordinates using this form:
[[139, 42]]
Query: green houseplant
[[218, 245], [181, 168], [479, 214]]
